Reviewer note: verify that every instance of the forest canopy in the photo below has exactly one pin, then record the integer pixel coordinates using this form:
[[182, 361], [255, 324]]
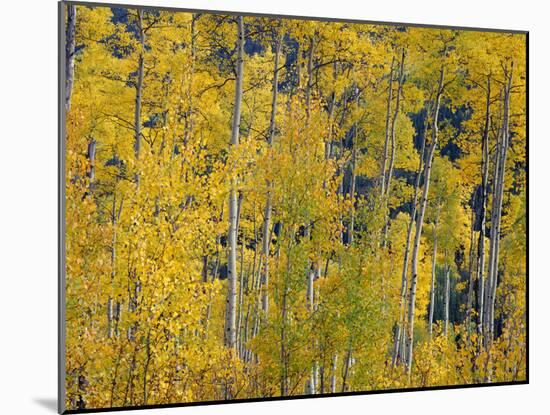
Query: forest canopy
[[265, 206]]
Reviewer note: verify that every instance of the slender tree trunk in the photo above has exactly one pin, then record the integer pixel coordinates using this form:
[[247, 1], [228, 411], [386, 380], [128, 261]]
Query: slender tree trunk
[[284, 311], [275, 87], [309, 85], [245, 351], [471, 269], [315, 377], [114, 309], [268, 205], [266, 236], [311, 383], [387, 132], [310, 387], [496, 213], [495, 217], [239, 335], [230, 318], [347, 365], [494, 203], [447, 297], [310, 301], [69, 54], [393, 123], [92, 145], [204, 271], [483, 206], [309, 290], [284, 369], [110, 312], [139, 92], [146, 367], [189, 116], [420, 222], [333, 373], [399, 344], [110, 307], [332, 104], [351, 226], [353, 162], [434, 263], [133, 302], [322, 377]]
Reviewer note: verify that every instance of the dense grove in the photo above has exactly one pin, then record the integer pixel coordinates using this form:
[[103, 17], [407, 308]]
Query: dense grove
[[259, 207]]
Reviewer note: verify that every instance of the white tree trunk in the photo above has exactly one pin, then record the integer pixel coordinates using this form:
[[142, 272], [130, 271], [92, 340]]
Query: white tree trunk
[[239, 333], [351, 227], [92, 145], [139, 92], [309, 290], [332, 104], [484, 183], [70, 47], [314, 378], [399, 344], [496, 214], [284, 312], [266, 235], [231, 309], [447, 297], [472, 261], [275, 88], [334, 366], [309, 85], [420, 222], [393, 123], [492, 241], [432, 287], [387, 132], [110, 311]]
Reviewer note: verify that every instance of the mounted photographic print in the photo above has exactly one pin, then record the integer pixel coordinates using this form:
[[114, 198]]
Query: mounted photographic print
[[258, 207]]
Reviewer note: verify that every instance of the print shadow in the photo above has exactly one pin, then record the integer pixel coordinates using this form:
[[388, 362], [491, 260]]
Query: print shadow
[[48, 403]]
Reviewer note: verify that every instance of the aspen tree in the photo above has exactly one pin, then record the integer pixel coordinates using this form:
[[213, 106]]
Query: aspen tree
[[447, 299], [387, 131], [139, 89], [420, 219], [400, 80], [257, 254], [399, 339], [496, 212], [70, 50], [231, 310], [434, 263], [266, 234], [483, 206]]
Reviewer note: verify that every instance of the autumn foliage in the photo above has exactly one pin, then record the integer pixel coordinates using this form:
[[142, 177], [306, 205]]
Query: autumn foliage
[[349, 273]]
